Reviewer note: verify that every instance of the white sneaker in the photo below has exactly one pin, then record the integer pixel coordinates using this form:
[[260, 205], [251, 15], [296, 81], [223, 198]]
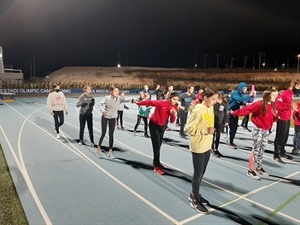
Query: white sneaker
[[110, 155], [58, 136], [98, 153]]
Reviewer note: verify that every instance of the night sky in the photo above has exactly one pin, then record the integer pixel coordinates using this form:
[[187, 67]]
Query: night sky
[[152, 33]]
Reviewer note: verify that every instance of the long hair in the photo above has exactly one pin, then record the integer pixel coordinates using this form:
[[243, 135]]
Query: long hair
[[266, 99], [208, 92]]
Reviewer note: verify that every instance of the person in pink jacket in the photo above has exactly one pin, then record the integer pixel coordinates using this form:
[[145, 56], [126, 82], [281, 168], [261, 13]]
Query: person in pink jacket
[[263, 116]]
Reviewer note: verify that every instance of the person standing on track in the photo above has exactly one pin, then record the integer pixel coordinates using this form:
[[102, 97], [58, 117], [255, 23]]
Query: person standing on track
[[57, 105], [221, 120], [263, 116], [109, 107], [186, 100], [200, 127], [237, 99], [284, 105], [164, 109], [120, 113], [143, 113], [86, 103]]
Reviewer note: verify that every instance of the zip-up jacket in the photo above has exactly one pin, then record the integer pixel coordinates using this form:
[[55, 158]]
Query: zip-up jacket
[[261, 120], [162, 111], [284, 103]]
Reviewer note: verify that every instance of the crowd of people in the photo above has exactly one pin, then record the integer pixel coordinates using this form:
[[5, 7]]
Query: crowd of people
[[202, 117]]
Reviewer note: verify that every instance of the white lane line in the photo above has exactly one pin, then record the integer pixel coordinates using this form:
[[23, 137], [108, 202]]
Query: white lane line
[[244, 197], [239, 196], [83, 156], [28, 182]]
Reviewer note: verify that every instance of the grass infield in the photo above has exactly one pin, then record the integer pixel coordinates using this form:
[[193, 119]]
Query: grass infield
[[11, 210]]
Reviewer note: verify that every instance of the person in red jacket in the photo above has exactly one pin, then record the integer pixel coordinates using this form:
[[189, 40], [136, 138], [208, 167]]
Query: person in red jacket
[[263, 116], [296, 140], [284, 106], [164, 109]]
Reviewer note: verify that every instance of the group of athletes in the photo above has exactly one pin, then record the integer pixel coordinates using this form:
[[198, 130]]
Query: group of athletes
[[201, 116]]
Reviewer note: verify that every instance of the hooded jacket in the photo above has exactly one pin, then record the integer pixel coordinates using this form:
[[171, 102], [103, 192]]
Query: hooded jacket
[[237, 97], [200, 118]]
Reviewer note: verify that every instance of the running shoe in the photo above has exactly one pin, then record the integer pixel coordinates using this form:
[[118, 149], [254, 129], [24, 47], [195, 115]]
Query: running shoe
[[58, 136], [146, 136], [295, 152], [201, 199], [159, 170], [286, 157], [110, 155], [278, 159], [98, 153], [253, 175], [233, 146], [261, 171], [198, 206]]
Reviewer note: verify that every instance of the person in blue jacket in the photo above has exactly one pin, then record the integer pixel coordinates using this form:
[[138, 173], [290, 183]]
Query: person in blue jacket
[[237, 99]]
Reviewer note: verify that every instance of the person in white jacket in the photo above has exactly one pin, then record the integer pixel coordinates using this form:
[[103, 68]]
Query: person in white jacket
[[57, 105]]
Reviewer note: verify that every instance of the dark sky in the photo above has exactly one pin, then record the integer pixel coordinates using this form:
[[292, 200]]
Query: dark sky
[[155, 33]]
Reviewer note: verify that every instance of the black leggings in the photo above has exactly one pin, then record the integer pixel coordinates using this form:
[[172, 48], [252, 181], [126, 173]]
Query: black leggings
[[200, 161], [145, 119], [58, 119], [120, 116], [233, 124], [88, 118], [111, 127], [157, 134], [217, 135]]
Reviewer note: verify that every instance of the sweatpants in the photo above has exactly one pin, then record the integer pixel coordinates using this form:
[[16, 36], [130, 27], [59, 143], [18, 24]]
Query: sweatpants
[[58, 119], [260, 139], [182, 114], [86, 118], [111, 128], [145, 119], [282, 134], [200, 161], [157, 134]]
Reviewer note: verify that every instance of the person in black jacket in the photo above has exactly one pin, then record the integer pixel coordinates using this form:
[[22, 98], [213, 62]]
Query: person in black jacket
[[220, 120]]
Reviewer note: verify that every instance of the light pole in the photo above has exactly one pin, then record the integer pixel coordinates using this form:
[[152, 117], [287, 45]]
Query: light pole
[[298, 64]]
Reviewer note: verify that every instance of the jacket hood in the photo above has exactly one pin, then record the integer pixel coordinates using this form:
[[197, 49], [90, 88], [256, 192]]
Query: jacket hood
[[241, 86]]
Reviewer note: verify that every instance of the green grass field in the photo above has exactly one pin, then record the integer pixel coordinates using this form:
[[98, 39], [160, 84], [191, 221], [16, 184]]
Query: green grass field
[[11, 210]]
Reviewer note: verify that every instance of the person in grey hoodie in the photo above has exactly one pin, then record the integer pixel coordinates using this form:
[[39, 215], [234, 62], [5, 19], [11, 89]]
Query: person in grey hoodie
[[109, 107], [86, 103], [57, 105]]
